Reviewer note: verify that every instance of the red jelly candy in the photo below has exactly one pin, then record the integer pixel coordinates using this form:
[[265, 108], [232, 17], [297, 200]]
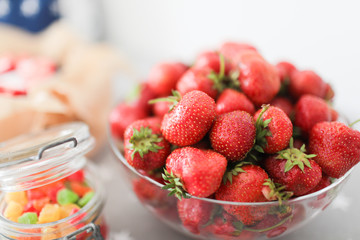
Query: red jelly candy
[[77, 176], [33, 194]]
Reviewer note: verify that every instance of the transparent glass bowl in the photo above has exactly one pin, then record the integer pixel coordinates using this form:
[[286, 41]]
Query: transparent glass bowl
[[204, 218]]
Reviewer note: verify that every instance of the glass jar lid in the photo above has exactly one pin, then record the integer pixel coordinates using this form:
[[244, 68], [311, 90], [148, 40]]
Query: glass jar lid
[[40, 158]]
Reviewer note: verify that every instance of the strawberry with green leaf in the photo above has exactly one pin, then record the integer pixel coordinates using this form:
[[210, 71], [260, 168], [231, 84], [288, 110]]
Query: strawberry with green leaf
[[337, 147], [195, 171], [190, 118], [212, 81], [246, 184], [294, 169], [273, 129], [145, 147]]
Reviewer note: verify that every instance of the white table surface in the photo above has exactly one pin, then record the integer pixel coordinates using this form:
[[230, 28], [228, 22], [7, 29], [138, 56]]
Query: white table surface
[[129, 220]]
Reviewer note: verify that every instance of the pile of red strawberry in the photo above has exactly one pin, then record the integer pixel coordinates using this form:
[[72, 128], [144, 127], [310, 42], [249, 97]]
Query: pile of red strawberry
[[234, 127]]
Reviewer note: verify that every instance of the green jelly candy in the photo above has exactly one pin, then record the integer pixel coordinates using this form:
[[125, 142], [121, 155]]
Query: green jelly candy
[[85, 199], [28, 218], [66, 196]]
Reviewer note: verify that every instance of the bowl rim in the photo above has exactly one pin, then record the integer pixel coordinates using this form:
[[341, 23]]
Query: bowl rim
[[119, 155]]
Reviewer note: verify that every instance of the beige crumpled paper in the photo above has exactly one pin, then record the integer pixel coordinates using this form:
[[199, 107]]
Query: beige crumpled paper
[[80, 91]]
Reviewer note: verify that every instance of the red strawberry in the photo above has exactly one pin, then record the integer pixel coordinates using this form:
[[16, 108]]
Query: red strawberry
[[144, 95], [329, 92], [210, 60], [246, 186], [190, 119], [199, 172], [197, 79], [334, 115], [307, 82], [145, 148], [149, 193], [337, 147], [285, 70], [284, 104], [310, 110], [273, 129], [163, 77], [194, 213], [324, 182], [294, 169], [224, 226], [259, 80], [122, 116], [161, 108], [231, 100], [232, 51], [233, 134]]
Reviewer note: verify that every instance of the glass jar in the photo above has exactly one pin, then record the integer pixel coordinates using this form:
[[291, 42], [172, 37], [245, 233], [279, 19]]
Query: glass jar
[[47, 157]]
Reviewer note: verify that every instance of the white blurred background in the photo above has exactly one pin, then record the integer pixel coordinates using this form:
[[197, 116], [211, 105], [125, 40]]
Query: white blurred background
[[321, 35]]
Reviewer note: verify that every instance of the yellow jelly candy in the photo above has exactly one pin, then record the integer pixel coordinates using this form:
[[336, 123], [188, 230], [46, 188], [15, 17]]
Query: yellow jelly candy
[[49, 233], [19, 197], [49, 213], [13, 211], [65, 210]]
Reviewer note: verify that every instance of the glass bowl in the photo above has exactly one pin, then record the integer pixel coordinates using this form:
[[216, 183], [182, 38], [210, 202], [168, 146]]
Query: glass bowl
[[205, 218]]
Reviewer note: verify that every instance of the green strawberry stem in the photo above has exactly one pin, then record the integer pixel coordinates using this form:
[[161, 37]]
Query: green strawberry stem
[[234, 170], [277, 192], [174, 99], [221, 81], [144, 141], [174, 185], [216, 211], [134, 94], [261, 130], [295, 157], [269, 228], [352, 124]]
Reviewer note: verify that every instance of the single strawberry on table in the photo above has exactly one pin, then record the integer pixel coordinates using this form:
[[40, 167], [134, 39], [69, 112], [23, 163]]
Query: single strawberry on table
[[273, 129], [145, 147], [294, 169], [337, 147], [233, 135], [196, 171], [190, 119], [231, 100]]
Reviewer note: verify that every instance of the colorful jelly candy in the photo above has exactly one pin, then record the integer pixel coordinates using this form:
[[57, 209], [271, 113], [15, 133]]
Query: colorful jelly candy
[[50, 213], [50, 203], [13, 211], [28, 218], [85, 199], [66, 196]]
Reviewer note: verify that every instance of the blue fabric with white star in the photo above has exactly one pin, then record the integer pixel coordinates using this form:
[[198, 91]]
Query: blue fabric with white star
[[31, 15]]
